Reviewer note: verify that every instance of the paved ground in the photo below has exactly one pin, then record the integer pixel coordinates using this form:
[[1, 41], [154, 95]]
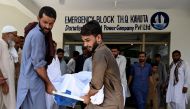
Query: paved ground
[[78, 107], [129, 108], [135, 108]]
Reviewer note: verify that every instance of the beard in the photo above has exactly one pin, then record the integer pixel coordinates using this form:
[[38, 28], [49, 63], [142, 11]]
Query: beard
[[11, 43], [44, 30], [176, 60], [141, 60], [116, 55], [95, 45]]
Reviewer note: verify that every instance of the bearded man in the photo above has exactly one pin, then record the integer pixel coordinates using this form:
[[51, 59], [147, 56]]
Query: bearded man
[[141, 74], [7, 68], [179, 80], [37, 52], [105, 71]]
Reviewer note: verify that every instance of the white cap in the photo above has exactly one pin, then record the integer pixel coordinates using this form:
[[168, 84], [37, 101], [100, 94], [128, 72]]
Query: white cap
[[8, 28]]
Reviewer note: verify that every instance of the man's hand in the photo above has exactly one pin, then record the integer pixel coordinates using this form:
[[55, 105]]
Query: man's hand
[[184, 90], [43, 75], [5, 88], [86, 99], [2, 80], [50, 88]]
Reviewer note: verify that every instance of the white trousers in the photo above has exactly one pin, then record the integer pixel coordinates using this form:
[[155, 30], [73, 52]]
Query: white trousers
[[177, 105], [2, 100]]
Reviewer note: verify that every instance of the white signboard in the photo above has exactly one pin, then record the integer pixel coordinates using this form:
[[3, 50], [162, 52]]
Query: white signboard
[[120, 23]]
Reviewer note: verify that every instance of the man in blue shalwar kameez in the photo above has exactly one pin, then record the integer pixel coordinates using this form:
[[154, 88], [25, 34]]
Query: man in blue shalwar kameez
[[140, 76], [33, 80]]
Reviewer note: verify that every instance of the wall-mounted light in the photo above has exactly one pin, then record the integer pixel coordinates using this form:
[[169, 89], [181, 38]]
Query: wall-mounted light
[[115, 3], [165, 44]]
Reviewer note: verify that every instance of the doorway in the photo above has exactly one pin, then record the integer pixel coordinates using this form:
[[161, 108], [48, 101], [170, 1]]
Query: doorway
[[128, 43]]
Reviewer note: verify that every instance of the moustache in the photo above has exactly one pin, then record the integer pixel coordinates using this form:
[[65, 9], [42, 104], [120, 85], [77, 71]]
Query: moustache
[[11, 43], [47, 29], [141, 60]]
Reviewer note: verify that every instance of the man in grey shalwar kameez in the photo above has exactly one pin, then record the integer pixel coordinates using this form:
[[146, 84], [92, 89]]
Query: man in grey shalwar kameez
[[33, 79], [105, 71]]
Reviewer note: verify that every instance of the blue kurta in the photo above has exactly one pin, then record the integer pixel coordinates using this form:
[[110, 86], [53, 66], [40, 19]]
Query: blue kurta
[[140, 83], [30, 86]]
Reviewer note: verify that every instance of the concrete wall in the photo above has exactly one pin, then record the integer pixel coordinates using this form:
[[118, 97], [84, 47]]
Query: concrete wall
[[180, 32], [178, 26], [12, 16]]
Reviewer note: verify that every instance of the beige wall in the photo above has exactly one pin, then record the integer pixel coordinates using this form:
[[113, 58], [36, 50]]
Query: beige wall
[[12, 16], [180, 32], [178, 26]]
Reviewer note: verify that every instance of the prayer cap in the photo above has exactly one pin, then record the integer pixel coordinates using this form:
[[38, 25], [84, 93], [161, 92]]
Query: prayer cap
[[8, 28]]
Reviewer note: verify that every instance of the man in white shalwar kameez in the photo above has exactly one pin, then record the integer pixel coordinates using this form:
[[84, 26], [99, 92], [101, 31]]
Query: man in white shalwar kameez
[[121, 61], [178, 82], [7, 90]]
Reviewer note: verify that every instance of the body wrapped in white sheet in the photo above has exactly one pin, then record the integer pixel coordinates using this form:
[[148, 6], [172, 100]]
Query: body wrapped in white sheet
[[77, 84]]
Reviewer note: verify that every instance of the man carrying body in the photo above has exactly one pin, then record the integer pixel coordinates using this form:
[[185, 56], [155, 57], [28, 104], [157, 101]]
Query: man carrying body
[[178, 82], [38, 48], [7, 69], [105, 71]]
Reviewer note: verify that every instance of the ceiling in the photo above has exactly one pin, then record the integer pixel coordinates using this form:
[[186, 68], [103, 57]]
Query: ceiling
[[93, 5], [98, 5]]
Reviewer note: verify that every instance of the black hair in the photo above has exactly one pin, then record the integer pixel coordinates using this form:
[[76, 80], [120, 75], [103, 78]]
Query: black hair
[[115, 47], [176, 51], [91, 28], [75, 53], [48, 11], [60, 50], [141, 52], [154, 64], [157, 55]]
